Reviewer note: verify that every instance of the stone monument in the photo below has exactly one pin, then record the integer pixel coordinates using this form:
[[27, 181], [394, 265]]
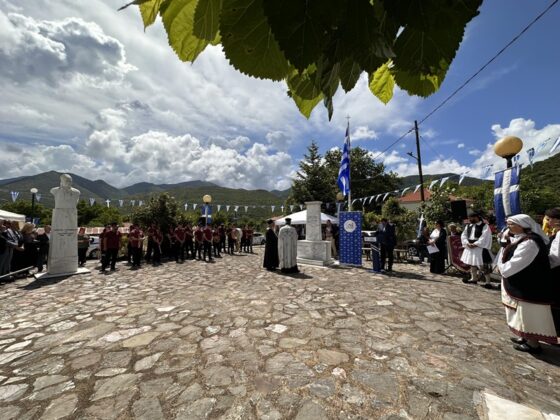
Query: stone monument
[[63, 243], [313, 249]]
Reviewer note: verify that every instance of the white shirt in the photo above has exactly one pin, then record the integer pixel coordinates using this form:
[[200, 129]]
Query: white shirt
[[554, 255], [485, 240], [523, 255]]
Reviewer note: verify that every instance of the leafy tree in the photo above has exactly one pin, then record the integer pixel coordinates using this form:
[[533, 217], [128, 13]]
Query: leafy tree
[[312, 182], [162, 210], [24, 207], [315, 46], [392, 209], [366, 176], [439, 206]]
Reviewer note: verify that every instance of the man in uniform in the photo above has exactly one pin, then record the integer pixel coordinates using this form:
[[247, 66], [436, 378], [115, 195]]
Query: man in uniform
[[207, 237], [477, 240], [135, 239], [287, 248], [198, 241], [180, 243], [112, 241], [189, 241]]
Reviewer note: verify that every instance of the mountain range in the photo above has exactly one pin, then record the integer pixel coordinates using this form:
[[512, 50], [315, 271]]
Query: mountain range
[[545, 172]]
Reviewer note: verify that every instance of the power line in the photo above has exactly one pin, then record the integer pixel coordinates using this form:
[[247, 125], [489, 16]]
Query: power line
[[515, 38], [392, 144]]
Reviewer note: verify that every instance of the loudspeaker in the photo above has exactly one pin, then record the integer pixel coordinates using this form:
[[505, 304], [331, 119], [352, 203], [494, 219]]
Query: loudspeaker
[[459, 210]]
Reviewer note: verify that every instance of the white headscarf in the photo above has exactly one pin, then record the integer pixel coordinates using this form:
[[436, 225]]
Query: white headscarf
[[527, 222]]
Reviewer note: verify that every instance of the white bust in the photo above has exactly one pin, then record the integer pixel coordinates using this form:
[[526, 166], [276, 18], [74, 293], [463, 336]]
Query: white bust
[[65, 197]]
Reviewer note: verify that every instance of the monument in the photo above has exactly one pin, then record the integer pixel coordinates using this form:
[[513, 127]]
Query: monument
[[63, 243], [313, 250]]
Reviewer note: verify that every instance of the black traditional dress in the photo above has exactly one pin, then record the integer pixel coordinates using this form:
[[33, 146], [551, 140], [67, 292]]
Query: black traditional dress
[[271, 260]]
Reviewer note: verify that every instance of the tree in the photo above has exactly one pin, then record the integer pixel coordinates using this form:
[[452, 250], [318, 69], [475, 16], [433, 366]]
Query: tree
[[366, 176], [24, 207], [312, 182], [162, 210], [315, 46], [439, 206]]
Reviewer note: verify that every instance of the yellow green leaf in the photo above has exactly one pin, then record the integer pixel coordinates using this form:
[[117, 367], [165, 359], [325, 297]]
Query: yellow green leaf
[[382, 83]]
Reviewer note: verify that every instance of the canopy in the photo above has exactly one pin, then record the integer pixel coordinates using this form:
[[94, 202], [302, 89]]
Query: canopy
[[300, 218], [12, 217]]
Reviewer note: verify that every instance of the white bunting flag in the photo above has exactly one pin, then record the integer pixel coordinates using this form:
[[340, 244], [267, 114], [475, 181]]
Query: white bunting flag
[[370, 199], [487, 171], [14, 195], [272, 208], [462, 177], [108, 203], [194, 206], [516, 164], [91, 201], [219, 207], [301, 206], [417, 188], [140, 203], [434, 182], [378, 196], [121, 202], [282, 208], [291, 208], [38, 197], [385, 196], [186, 206], [246, 208], [404, 191], [354, 200], [554, 146], [443, 181], [236, 208], [227, 208], [531, 156], [132, 202]]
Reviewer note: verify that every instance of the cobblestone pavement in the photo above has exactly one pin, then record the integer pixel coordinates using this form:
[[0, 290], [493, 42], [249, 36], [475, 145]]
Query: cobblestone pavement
[[231, 340]]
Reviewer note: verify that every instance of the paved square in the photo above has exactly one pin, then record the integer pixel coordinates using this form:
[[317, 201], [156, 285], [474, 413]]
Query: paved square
[[231, 340]]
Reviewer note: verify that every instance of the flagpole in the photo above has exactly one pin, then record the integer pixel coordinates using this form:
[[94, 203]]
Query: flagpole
[[349, 168]]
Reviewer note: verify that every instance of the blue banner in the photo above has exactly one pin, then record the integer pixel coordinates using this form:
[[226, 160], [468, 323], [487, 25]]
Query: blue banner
[[507, 200], [350, 236], [207, 212]]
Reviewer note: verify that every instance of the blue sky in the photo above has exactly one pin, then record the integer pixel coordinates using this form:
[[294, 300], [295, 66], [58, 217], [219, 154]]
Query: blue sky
[[86, 90]]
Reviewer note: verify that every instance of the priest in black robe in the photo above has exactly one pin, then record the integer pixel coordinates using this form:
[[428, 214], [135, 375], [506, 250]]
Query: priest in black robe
[[271, 260]]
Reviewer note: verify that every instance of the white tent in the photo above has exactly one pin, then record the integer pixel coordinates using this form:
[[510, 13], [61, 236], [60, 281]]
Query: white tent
[[300, 218], [12, 217]]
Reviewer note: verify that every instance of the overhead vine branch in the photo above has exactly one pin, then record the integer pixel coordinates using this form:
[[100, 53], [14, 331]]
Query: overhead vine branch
[[318, 45]]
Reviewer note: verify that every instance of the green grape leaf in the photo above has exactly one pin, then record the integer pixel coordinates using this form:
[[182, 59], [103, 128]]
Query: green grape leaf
[[302, 28], [382, 83], [207, 19], [305, 106], [418, 84], [149, 11], [349, 74], [433, 31], [305, 84], [178, 20], [248, 41]]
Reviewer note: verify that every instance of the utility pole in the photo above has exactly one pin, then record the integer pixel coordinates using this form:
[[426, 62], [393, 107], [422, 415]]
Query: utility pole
[[419, 160]]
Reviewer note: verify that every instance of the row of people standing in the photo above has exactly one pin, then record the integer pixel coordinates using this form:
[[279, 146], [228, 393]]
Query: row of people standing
[[24, 248]]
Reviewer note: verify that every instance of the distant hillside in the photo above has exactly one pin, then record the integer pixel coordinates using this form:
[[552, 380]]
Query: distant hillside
[[283, 194], [407, 181], [148, 187], [98, 189], [545, 173]]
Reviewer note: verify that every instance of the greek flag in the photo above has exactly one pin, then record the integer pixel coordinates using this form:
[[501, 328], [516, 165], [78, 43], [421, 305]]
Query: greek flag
[[553, 148], [507, 200], [344, 171]]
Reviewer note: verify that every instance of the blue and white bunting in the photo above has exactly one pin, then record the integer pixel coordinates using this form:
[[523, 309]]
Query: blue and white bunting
[[291, 208], [417, 188], [219, 206], [132, 202], [38, 197], [404, 191], [434, 182], [531, 156], [487, 171], [443, 181], [91, 201], [541, 146], [227, 208], [15, 195], [121, 203], [554, 146], [385, 196], [194, 206], [186, 206], [272, 208], [462, 177], [108, 203], [246, 208]]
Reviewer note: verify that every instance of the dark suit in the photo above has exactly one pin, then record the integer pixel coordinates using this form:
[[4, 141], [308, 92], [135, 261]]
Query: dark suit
[[387, 239]]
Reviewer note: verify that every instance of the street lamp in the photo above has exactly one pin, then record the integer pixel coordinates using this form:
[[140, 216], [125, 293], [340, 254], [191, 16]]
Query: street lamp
[[339, 200], [207, 199], [33, 192], [507, 147]]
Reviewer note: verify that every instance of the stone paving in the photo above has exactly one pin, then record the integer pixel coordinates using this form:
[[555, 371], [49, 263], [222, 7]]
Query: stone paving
[[231, 340]]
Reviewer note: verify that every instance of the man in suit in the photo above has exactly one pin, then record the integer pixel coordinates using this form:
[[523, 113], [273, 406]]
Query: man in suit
[[387, 239]]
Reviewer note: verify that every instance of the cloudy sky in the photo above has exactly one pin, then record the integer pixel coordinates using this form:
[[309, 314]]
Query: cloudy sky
[[86, 90]]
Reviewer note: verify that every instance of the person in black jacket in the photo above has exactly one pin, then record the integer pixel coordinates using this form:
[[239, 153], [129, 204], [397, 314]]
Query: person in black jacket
[[387, 239], [530, 293], [438, 238], [271, 259]]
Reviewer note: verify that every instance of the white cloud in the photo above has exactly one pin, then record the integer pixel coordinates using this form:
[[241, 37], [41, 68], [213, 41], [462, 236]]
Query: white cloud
[[363, 133], [475, 152], [527, 131], [460, 145], [55, 51]]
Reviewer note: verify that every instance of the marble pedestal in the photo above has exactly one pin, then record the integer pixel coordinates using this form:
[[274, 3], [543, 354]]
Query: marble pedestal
[[47, 275], [313, 250], [314, 253]]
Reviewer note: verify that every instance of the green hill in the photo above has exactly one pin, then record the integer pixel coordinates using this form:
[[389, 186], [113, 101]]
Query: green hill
[[545, 173]]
